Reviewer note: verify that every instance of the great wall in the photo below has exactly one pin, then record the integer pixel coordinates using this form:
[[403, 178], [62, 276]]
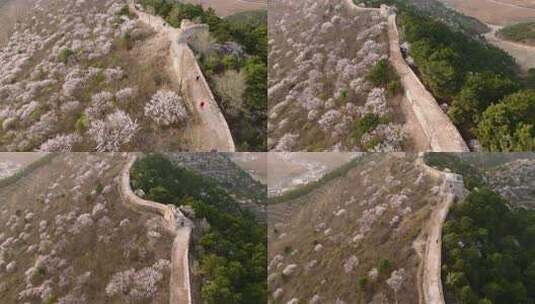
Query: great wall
[[441, 133], [214, 132], [429, 243], [176, 223]]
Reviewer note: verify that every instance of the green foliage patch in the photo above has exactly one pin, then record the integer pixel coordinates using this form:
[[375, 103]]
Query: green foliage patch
[[520, 32], [233, 252], [249, 30], [489, 251]]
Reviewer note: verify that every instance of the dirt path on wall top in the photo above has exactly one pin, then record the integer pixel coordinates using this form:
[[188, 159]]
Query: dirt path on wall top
[[207, 130], [178, 224]]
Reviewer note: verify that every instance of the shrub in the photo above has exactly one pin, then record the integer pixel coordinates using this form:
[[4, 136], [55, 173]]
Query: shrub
[[366, 124], [509, 125], [384, 75], [125, 11], [65, 54], [393, 88], [384, 265], [81, 123], [362, 282]]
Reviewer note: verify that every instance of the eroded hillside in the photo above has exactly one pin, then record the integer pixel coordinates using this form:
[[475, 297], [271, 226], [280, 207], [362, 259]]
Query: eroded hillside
[[321, 97], [67, 237], [352, 240]]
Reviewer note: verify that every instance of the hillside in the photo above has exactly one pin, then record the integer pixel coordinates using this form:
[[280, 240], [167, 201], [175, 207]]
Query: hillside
[[66, 236], [221, 169], [229, 241], [86, 76], [330, 87], [353, 239]]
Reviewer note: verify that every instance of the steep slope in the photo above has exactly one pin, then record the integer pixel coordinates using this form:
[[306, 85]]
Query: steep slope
[[67, 237], [358, 238], [87, 76], [321, 99]]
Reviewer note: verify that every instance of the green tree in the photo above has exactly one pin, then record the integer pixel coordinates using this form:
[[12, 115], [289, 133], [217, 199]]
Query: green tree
[[480, 90], [508, 125], [441, 72]]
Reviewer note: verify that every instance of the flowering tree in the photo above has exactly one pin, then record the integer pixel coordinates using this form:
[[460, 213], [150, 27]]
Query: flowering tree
[[112, 132], [166, 108], [396, 280], [60, 143]]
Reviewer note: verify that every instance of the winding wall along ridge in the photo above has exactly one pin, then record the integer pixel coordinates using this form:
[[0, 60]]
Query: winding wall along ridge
[[441, 133], [215, 134], [430, 274], [177, 223]]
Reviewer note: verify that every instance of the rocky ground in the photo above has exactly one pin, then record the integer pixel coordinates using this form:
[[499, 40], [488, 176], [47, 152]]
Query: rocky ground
[[84, 76], [351, 240], [515, 181], [67, 237], [321, 53]]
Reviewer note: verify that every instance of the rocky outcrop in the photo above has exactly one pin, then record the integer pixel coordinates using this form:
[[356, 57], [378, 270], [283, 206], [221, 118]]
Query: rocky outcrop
[[177, 223]]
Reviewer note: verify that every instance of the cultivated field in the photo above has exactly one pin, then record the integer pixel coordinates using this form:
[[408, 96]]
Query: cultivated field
[[288, 170], [496, 12], [254, 163]]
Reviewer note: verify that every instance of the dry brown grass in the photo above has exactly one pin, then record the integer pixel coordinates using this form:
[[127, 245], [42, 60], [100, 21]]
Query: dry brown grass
[[328, 279], [83, 252], [11, 11]]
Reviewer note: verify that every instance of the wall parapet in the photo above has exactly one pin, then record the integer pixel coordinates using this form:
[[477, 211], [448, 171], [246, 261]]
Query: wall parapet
[[176, 223], [215, 133]]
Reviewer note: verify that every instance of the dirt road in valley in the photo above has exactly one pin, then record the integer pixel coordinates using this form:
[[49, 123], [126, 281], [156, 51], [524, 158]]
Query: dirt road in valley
[[501, 12], [175, 222], [523, 54], [225, 8], [209, 129]]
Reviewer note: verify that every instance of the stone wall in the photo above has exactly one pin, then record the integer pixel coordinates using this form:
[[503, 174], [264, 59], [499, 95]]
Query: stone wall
[[441, 133], [215, 133], [176, 223]]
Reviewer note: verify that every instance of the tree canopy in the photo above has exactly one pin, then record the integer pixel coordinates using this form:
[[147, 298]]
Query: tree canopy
[[233, 252], [489, 251]]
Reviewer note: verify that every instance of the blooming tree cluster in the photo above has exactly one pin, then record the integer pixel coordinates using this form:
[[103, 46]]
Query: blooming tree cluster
[[57, 87], [321, 54], [113, 131], [166, 108], [45, 245]]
